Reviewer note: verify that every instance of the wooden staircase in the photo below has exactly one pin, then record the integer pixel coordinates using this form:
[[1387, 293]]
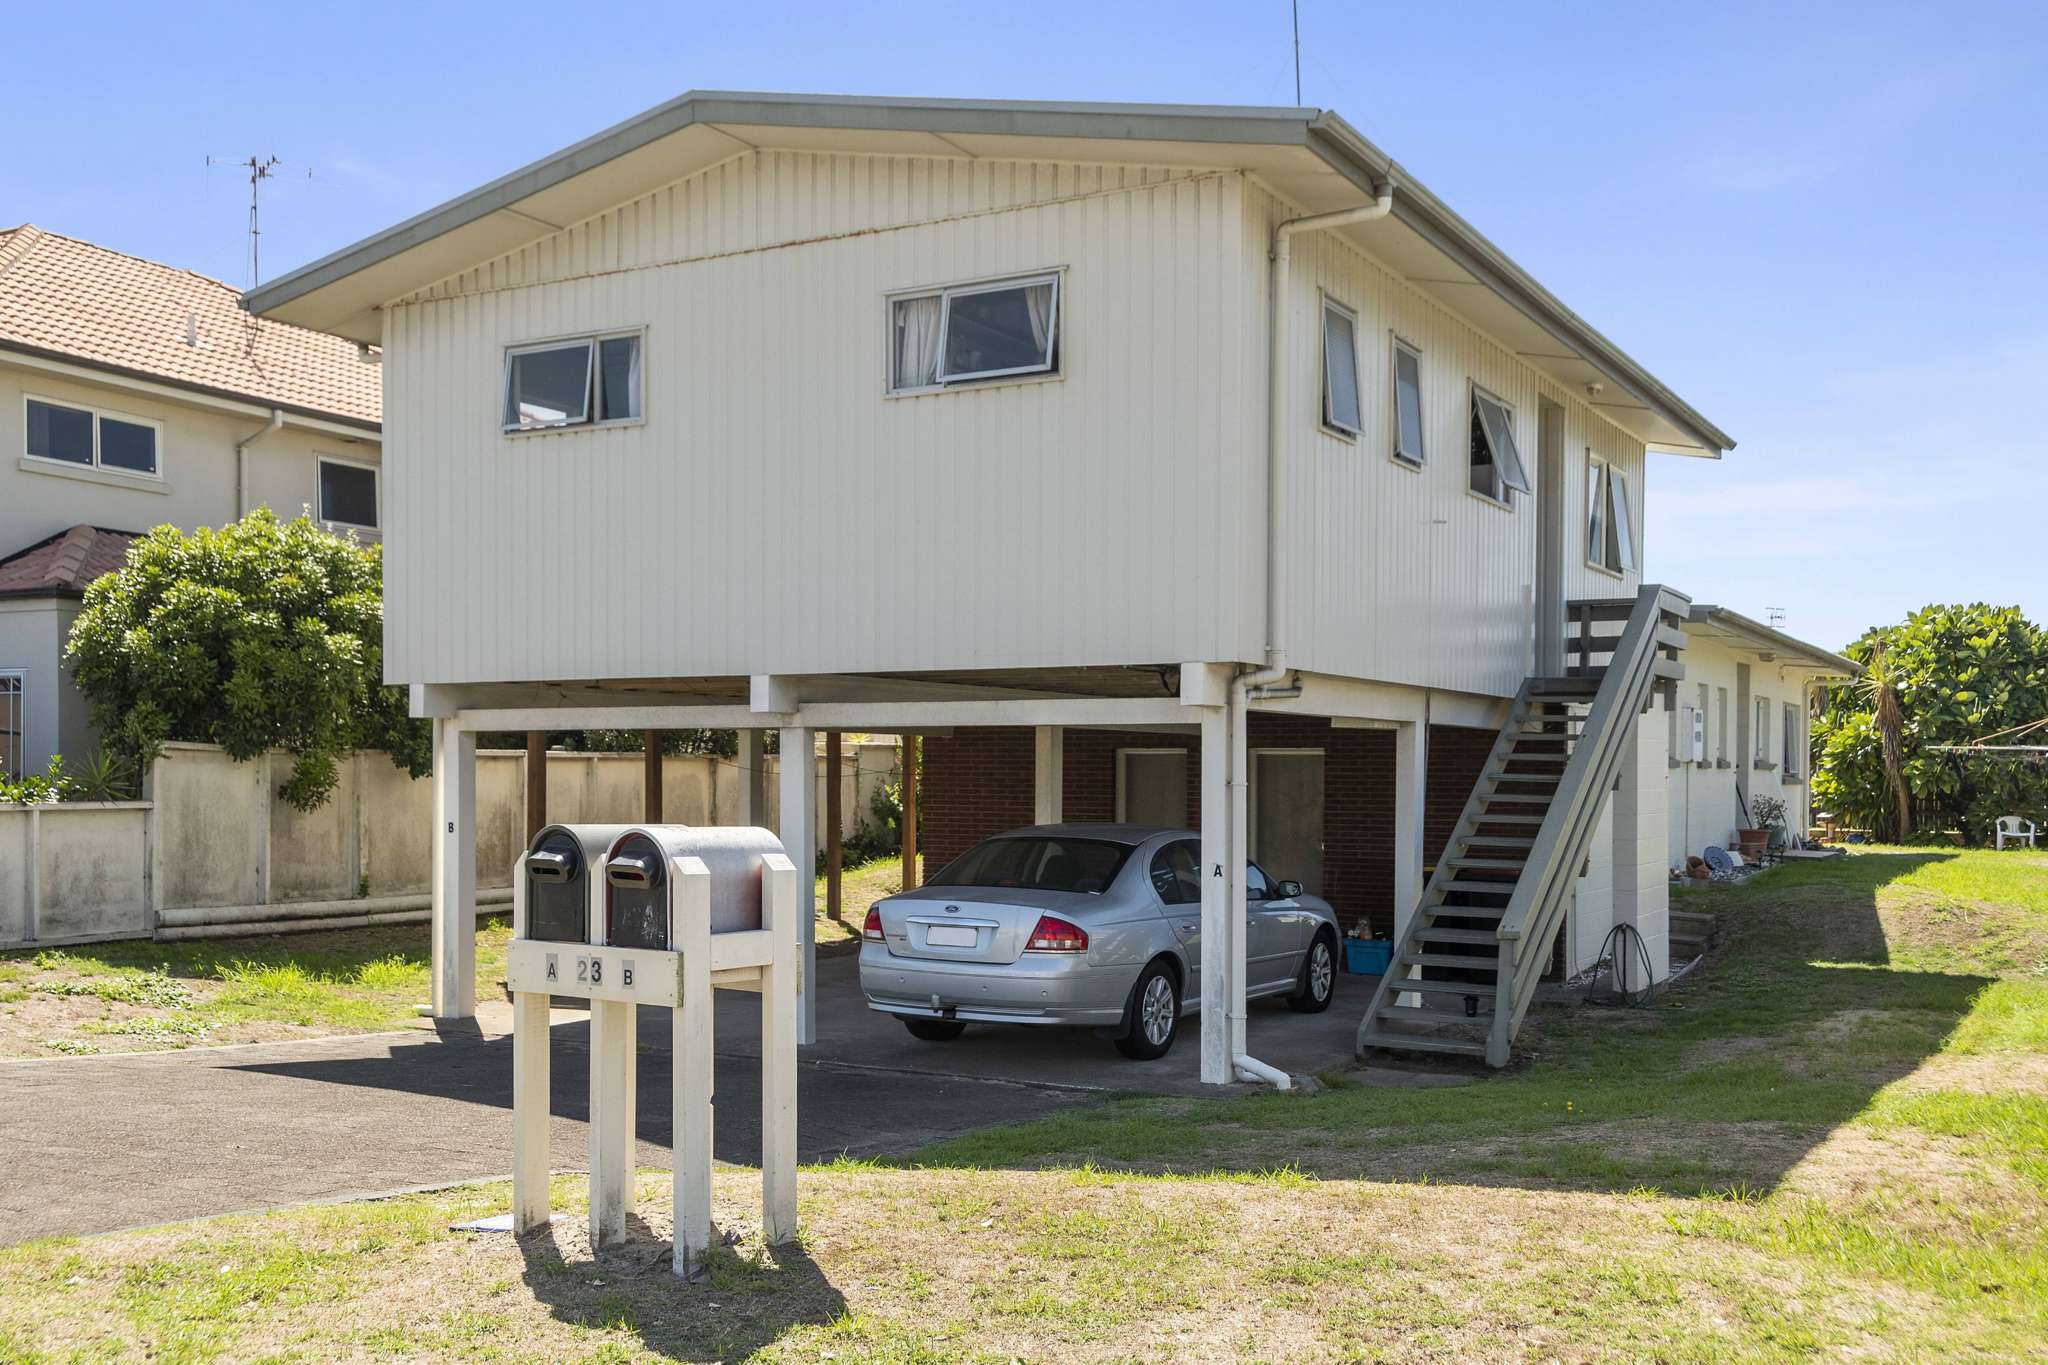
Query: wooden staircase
[[1474, 950]]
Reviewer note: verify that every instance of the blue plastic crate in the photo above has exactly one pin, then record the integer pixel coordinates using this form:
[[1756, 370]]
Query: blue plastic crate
[[1367, 956]]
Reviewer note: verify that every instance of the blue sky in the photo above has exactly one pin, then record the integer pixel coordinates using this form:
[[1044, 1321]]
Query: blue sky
[[1821, 224]]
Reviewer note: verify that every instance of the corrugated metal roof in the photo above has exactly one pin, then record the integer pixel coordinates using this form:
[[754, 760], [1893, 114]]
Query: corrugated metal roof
[[73, 300], [64, 564]]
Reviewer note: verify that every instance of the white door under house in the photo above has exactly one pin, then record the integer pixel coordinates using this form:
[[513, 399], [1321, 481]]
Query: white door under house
[[1152, 787]]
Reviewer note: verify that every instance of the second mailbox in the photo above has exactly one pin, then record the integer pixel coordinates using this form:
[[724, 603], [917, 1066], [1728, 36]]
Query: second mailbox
[[639, 894]]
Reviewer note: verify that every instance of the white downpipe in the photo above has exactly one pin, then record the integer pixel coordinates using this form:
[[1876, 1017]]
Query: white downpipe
[[275, 423], [1271, 680]]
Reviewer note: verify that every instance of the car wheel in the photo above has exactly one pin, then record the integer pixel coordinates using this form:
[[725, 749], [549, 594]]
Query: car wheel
[[1318, 978], [1154, 1015], [935, 1030]]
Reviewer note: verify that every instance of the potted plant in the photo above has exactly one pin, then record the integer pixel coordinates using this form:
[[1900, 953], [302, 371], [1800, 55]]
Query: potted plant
[[1766, 816]]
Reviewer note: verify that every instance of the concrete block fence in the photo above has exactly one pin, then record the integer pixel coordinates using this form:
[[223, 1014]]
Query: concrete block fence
[[213, 850]]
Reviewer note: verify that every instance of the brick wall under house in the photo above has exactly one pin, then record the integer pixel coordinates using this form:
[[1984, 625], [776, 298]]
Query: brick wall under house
[[1457, 755], [979, 782]]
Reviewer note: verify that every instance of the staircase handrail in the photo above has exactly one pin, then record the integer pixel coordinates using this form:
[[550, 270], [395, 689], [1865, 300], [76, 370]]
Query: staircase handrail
[[1576, 806]]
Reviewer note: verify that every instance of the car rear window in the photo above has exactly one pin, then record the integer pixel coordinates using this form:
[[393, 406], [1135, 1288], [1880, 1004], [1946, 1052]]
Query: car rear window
[[1037, 863]]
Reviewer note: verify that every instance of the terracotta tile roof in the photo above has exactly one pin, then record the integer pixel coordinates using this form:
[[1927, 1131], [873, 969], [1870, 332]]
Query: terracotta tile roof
[[68, 298], [64, 564]]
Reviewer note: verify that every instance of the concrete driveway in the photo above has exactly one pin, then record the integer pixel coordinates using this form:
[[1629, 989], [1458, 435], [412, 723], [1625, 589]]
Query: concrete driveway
[[99, 1143]]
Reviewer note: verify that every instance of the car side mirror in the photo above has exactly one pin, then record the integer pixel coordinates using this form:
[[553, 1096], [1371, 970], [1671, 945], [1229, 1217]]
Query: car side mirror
[[1289, 890]]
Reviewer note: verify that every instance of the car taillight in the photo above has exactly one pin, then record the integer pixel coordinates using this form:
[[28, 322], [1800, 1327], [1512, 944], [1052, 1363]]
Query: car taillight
[[871, 927], [1055, 935]]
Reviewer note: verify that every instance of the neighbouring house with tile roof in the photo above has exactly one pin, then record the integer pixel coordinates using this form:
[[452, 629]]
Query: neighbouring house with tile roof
[[134, 394]]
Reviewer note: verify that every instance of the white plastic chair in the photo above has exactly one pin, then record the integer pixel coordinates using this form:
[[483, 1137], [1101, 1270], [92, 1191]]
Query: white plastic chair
[[2014, 828]]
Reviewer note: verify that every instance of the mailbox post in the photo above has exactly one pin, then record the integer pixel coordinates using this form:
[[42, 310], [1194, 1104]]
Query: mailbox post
[[674, 912]]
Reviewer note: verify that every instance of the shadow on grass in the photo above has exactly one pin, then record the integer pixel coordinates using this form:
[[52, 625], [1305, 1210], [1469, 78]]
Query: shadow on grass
[[1788, 1031], [738, 1305]]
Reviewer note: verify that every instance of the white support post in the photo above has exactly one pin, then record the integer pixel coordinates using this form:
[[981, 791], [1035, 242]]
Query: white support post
[[799, 774], [691, 1053], [1235, 923], [753, 779], [609, 1141], [631, 1093], [1049, 775], [1411, 789], [1216, 1068], [530, 1064], [785, 894], [454, 935], [1641, 831]]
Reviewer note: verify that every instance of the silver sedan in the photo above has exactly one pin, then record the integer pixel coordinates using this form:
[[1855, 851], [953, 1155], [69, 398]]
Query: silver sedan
[[1082, 924]]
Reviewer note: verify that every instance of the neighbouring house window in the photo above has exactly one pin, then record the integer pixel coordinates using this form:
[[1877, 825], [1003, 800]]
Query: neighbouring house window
[[1610, 532], [1763, 729], [348, 494], [1721, 726], [1407, 402], [578, 382], [10, 722], [1792, 766], [1340, 368], [1496, 461], [974, 331], [89, 437], [1701, 756]]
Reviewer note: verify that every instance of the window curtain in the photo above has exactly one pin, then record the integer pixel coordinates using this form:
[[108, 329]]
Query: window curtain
[[1038, 301], [917, 342]]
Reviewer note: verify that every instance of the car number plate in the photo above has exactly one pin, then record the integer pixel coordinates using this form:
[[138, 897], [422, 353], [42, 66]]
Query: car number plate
[[950, 936]]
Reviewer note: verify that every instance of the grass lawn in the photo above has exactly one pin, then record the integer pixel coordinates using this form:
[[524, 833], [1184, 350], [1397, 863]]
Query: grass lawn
[[141, 995], [1833, 1143]]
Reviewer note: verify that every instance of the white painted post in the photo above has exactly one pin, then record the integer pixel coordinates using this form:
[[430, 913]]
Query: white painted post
[[785, 894], [691, 1056], [609, 1142], [632, 1092], [1234, 919], [454, 936], [799, 840], [1048, 775], [1411, 789], [753, 779], [1216, 1068], [529, 1110]]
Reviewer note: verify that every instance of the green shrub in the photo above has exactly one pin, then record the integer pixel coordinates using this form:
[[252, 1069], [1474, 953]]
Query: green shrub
[[264, 634]]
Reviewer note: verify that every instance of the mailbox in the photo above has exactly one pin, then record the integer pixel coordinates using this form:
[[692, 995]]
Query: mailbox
[[555, 882], [640, 895]]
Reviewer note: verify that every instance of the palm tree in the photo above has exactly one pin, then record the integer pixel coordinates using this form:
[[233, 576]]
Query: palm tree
[[1880, 683]]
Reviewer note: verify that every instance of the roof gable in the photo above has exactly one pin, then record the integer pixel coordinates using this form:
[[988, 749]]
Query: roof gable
[[1310, 157]]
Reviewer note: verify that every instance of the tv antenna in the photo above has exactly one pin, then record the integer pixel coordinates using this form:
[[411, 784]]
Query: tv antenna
[[1774, 617], [1296, 6], [259, 169]]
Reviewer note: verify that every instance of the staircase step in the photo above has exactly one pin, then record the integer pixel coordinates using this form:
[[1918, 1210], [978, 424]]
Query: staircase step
[[1500, 841], [1416, 1043], [1533, 779], [1422, 1014], [1482, 989], [1475, 963], [1482, 888], [1502, 864], [1441, 910], [1435, 934], [1508, 820]]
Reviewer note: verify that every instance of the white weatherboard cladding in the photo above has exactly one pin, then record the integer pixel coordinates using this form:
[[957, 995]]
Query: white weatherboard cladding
[[777, 513], [771, 197], [1398, 573]]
